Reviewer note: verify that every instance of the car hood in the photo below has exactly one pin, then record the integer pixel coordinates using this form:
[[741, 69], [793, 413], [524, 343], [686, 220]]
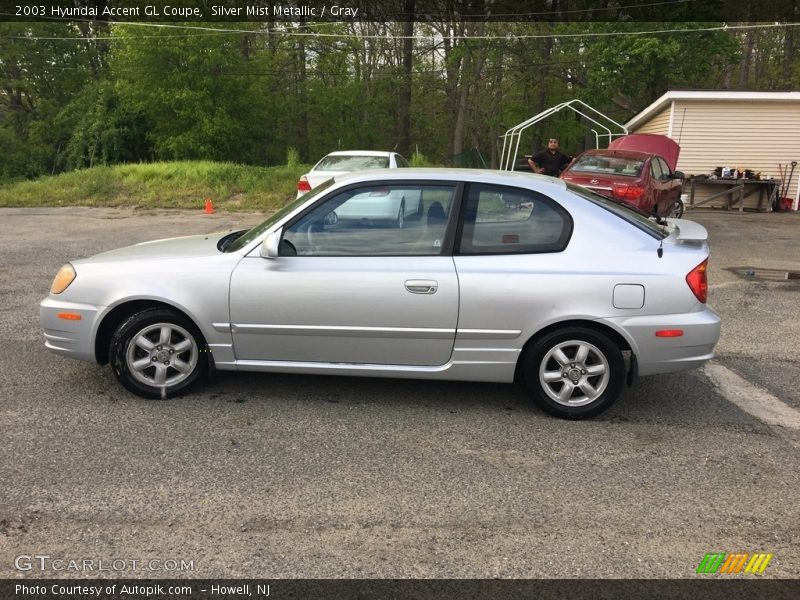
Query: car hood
[[179, 247], [664, 146]]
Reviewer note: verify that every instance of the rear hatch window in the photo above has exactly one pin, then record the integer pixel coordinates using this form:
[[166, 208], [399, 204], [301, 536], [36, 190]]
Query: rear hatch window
[[352, 163], [608, 165]]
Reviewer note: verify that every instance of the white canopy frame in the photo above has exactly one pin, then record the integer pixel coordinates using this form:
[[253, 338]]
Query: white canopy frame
[[512, 137]]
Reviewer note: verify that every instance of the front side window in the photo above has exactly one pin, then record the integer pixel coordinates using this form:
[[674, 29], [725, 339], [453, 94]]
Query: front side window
[[655, 170], [503, 220], [664, 167], [249, 236], [375, 220], [352, 163]]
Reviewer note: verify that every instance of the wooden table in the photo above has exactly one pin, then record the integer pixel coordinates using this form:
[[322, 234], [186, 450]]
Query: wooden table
[[735, 191]]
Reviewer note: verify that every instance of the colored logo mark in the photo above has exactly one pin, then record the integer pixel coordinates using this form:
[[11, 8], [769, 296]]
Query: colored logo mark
[[722, 562]]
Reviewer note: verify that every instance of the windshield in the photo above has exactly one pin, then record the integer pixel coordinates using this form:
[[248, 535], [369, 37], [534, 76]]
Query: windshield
[[352, 163], [608, 165], [632, 215], [256, 231]]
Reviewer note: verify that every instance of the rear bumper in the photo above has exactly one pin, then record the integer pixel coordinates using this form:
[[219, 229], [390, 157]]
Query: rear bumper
[[669, 354], [70, 338]]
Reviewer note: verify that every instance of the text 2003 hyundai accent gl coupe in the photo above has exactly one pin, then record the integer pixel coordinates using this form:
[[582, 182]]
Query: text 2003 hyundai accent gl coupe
[[501, 276]]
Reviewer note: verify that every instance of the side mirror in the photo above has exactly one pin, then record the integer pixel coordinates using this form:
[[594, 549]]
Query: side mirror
[[269, 247], [678, 175]]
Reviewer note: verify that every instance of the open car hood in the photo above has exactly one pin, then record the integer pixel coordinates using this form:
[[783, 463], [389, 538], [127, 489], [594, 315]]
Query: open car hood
[[664, 146]]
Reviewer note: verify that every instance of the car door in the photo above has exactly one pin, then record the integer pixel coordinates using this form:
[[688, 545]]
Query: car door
[[508, 259], [655, 189], [350, 286], [673, 187]]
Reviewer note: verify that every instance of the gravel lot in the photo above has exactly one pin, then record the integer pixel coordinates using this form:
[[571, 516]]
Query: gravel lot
[[283, 476]]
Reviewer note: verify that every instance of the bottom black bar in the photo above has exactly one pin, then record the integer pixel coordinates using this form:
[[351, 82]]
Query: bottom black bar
[[384, 589]]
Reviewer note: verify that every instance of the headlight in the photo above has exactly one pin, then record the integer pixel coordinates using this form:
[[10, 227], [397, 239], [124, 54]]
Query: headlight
[[64, 277]]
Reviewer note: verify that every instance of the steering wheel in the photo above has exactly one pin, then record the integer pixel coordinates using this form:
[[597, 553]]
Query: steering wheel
[[311, 228]]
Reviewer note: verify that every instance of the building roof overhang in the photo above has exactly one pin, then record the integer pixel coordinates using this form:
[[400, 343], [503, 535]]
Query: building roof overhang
[[715, 95]]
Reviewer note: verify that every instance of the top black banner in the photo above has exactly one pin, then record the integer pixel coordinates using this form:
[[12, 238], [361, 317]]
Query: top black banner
[[272, 11]]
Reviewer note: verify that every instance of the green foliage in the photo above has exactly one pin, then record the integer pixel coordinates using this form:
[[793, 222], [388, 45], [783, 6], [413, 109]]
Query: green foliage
[[420, 160], [292, 158], [642, 68], [192, 91], [37, 77], [161, 185], [105, 130], [257, 97]]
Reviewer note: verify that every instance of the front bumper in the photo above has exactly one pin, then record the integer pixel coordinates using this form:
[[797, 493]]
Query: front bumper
[[655, 355], [71, 338]]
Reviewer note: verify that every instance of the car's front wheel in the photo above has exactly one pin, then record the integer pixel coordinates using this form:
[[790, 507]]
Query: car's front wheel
[[574, 373], [158, 353]]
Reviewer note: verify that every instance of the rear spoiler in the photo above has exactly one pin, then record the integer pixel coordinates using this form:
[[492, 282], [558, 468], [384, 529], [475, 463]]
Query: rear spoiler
[[688, 231]]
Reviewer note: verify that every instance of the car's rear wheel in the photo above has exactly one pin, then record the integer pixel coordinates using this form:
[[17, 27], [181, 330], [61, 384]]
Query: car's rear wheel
[[574, 373], [676, 210], [158, 353]]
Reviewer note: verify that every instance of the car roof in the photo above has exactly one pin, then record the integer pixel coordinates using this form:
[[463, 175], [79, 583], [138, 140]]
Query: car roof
[[359, 153], [510, 178]]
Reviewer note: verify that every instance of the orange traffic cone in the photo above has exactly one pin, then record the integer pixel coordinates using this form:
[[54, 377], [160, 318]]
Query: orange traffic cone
[[209, 209]]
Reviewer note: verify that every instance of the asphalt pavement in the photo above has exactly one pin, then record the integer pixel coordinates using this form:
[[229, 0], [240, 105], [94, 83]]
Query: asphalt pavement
[[289, 476]]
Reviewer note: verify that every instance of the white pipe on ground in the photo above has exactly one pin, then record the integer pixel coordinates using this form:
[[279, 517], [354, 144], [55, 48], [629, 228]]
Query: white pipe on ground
[[796, 194]]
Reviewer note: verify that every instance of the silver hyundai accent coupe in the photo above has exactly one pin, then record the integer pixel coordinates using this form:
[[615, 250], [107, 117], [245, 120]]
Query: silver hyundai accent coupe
[[500, 277]]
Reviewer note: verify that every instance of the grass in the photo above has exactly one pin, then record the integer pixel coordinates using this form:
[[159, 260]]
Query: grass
[[161, 185]]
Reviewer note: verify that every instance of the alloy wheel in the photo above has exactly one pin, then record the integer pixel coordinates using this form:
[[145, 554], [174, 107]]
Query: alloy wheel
[[161, 355], [574, 373]]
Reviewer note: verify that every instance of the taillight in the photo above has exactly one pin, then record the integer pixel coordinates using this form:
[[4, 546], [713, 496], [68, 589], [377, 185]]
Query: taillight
[[303, 185], [698, 281], [628, 192]]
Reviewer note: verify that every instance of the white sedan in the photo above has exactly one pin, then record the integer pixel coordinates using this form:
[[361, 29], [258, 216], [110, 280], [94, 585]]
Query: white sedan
[[346, 161]]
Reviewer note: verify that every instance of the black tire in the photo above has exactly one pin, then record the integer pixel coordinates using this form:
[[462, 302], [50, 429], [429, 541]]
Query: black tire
[[676, 209], [184, 356], [574, 374]]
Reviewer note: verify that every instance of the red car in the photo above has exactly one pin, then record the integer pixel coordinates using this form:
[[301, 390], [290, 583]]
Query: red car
[[638, 169]]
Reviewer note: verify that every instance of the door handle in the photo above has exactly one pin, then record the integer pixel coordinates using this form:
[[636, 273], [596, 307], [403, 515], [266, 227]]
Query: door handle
[[422, 286]]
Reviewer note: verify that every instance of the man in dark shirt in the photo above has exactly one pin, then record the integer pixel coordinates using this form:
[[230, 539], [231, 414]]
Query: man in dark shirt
[[549, 162]]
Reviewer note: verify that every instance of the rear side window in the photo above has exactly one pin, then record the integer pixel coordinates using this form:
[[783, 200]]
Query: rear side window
[[401, 162], [506, 220]]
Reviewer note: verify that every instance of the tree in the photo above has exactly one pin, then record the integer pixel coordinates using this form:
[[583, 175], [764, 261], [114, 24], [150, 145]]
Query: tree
[[39, 73], [196, 93]]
